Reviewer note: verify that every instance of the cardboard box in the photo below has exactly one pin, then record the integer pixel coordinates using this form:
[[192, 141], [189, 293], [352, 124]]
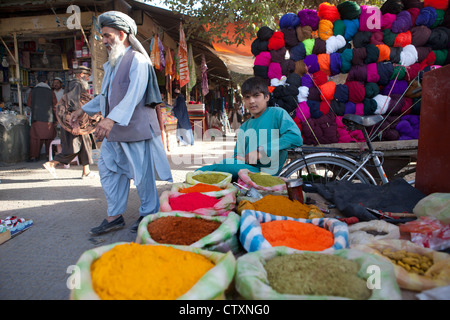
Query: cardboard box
[[5, 236]]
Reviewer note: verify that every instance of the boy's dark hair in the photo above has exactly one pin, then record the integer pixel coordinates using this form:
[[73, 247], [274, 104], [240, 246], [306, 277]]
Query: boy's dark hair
[[255, 85]]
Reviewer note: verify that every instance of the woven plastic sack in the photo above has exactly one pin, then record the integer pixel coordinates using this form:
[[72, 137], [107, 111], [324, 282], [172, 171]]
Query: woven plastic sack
[[252, 239], [222, 184], [230, 188], [251, 278], [358, 232], [435, 205], [409, 280], [211, 286], [226, 204], [246, 181], [223, 239]]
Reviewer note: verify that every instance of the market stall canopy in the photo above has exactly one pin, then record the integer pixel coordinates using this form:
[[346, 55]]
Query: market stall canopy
[[220, 57], [238, 58]]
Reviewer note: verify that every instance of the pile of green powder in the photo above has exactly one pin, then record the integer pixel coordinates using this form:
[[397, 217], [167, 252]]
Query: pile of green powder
[[209, 178], [265, 180], [316, 274]]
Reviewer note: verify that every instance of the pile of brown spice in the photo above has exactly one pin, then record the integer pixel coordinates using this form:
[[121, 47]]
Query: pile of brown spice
[[180, 230]]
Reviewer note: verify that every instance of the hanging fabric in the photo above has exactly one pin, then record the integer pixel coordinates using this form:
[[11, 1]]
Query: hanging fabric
[[192, 71], [204, 68], [154, 53], [169, 63], [161, 54], [183, 55]]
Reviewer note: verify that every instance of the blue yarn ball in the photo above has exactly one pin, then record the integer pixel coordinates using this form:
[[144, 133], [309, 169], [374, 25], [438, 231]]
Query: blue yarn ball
[[351, 28], [426, 17], [289, 20], [298, 52]]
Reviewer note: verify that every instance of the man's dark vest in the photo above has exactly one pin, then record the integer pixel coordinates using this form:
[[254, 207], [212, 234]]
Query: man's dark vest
[[143, 124]]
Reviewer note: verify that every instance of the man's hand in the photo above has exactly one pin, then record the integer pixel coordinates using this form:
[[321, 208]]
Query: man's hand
[[103, 128]]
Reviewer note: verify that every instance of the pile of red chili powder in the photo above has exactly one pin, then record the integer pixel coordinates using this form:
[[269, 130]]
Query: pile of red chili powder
[[192, 201], [180, 230]]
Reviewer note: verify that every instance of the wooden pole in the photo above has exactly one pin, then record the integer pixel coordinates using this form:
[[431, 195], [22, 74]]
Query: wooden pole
[[16, 57]]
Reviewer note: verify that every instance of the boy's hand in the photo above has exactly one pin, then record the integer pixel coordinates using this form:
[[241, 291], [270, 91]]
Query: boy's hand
[[252, 157]]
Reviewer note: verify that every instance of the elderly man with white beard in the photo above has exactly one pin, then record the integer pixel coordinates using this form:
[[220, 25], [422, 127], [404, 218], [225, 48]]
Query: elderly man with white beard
[[132, 146]]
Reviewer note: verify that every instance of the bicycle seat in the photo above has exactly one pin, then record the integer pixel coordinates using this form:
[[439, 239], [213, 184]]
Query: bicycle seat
[[365, 121]]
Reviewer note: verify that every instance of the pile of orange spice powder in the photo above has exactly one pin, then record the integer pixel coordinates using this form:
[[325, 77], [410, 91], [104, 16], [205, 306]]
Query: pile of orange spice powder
[[200, 187], [297, 235]]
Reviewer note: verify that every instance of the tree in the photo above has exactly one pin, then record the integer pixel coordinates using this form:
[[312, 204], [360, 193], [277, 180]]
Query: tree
[[247, 16]]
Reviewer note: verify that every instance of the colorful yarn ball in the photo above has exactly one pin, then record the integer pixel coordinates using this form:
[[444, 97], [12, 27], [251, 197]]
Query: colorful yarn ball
[[289, 20], [309, 17], [403, 22], [437, 4], [311, 63], [370, 18], [276, 41], [263, 59], [265, 33], [351, 28], [274, 71], [385, 52], [426, 17], [403, 39], [303, 33], [356, 91], [309, 45], [349, 10], [328, 11], [387, 20], [334, 43], [392, 6], [408, 56], [298, 52], [372, 73], [325, 29]]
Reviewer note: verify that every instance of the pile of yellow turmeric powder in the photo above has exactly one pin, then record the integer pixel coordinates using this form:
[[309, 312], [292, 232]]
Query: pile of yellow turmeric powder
[[136, 272], [282, 206]]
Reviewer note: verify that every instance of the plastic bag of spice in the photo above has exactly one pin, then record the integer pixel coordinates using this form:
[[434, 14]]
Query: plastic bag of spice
[[222, 239], [195, 203], [251, 280], [252, 239], [435, 275], [367, 231], [212, 285], [203, 188], [262, 181], [220, 179]]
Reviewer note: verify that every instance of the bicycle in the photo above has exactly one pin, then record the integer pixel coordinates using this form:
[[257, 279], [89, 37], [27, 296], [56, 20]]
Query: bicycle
[[323, 164]]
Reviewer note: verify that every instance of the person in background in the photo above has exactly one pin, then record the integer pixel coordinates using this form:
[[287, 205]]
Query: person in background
[[184, 129], [58, 88], [132, 147], [41, 100], [263, 139], [235, 116], [72, 143]]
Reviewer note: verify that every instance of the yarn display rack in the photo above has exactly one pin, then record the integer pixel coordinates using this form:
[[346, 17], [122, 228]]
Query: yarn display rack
[[322, 64]]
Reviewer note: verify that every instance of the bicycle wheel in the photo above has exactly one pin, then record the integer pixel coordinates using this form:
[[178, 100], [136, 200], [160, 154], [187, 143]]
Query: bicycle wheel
[[322, 169]]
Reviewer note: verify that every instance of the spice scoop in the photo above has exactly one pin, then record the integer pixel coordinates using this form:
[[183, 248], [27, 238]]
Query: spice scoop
[[252, 192]]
